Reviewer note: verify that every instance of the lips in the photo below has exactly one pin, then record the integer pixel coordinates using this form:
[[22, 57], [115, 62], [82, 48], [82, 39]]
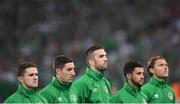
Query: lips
[[71, 78], [142, 80], [35, 82], [105, 64]]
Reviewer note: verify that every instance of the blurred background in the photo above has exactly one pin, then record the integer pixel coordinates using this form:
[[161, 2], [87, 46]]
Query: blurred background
[[38, 30]]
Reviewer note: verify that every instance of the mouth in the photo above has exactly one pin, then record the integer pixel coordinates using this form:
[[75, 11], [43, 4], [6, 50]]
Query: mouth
[[71, 78], [166, 71], [142, 81], [35, 82], [105, 64]]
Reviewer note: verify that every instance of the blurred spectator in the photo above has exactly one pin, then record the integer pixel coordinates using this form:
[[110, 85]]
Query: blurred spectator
[[38, 30]]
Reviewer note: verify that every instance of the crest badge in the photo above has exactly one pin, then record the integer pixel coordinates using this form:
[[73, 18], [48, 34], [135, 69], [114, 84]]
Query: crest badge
[[170, 95], [73, 98]]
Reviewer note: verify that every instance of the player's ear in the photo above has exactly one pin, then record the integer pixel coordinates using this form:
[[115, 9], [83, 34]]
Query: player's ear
[[91, 62], [128, 76], [58, 70], [151, 70], [21, 79]]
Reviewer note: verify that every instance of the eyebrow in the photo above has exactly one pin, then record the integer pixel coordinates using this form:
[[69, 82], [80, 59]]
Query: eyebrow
[[31, 74]]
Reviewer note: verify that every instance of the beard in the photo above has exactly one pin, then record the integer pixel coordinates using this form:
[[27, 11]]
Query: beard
[[101, 68], [136, 83]]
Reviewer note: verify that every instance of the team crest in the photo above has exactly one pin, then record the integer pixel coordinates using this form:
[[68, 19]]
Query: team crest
[[73, 98], [170, 95]]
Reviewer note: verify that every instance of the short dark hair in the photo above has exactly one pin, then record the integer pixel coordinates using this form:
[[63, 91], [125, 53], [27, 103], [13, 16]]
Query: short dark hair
[[130, 66], [60, 61], [91, 49], [151, 63], [23, 66]]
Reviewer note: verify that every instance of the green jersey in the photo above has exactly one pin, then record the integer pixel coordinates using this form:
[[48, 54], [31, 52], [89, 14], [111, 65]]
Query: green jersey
[[23, 95], [92, 87], [128, 94], [56, 92], [156, 91]]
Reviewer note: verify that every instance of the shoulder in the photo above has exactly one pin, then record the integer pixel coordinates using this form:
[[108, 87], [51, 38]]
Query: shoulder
[[82, 81], [14, 98], [120, 93], [48, 88], [10, 99], [81, 85], [43, 98], [117, 97], [148, 90], [48, 91], [170, 88], [148, 86]]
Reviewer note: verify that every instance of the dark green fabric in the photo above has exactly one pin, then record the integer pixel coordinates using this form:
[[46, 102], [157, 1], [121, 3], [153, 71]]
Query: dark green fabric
[[92, 87], [23, 95], [156, 91], [128, 94], [56, 92]]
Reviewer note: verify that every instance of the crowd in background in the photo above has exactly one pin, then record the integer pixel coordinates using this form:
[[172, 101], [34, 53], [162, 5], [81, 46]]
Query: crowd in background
[[38, 30]]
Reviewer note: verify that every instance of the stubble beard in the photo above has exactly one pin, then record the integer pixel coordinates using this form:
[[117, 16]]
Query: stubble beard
[[101, 68], [137, 84]]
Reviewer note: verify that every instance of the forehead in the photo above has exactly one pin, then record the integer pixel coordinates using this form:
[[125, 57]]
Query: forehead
[[99, 52], [138, 69], [70, 64], [31, 70], [160, 61]]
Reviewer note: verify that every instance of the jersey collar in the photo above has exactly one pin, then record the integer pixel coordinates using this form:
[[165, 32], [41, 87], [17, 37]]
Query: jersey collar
[[96, 75], [131, 89], [58, 84], [158, 82], [26, 92]]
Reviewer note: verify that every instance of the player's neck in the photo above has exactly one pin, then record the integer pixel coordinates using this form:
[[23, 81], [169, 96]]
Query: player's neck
[[96, 70], [160, 79]]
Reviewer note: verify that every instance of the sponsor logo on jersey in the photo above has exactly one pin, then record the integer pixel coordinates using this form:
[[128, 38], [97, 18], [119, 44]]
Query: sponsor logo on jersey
[[156, 96], [60, 99], [94, 90]]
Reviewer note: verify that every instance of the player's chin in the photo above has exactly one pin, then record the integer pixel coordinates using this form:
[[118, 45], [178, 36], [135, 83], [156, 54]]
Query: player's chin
[[104, 67], [35, 85], [141, 82], [165, 76], [70, 80]]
